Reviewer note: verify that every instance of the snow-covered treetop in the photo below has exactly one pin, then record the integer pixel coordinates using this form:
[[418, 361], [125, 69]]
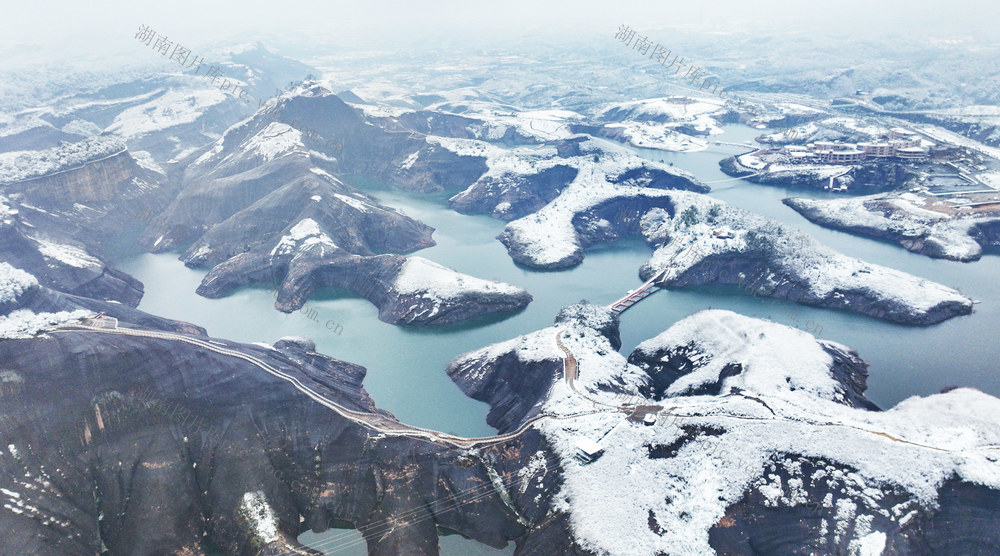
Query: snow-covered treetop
[[21, 165], [14, 282], [598, 317]]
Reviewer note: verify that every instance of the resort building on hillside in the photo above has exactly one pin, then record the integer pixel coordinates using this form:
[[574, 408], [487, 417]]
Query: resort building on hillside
[[900, 143]]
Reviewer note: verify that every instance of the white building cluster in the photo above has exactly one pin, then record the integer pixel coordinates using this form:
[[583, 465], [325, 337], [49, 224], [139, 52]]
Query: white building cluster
[[900, 143]]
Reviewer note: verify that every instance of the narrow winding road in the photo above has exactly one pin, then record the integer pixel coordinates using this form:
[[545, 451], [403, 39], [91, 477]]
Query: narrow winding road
[[391, 427], [379, 423]]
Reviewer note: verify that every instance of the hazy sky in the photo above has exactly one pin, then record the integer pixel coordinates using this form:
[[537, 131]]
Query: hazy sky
[[71, 28]]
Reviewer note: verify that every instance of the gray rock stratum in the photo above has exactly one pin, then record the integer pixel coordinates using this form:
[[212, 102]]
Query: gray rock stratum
[[268, 203]]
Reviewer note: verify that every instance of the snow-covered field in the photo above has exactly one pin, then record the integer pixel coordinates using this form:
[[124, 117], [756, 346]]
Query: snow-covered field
[[545, 125], [681, 109], [173, 108]]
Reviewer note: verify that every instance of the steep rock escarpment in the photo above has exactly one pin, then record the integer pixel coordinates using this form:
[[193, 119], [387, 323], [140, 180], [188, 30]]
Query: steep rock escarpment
[[513, 377], [76, 204], [93, 191], [60, 262], [156, 445], [24, 294]]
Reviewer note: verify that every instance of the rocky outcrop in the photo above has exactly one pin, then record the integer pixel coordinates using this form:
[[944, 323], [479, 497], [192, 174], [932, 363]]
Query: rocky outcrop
[[434, 168], [76, 205], [260, 207], [869, 177], [93, 191], [611, 190], [440, 296], [665, 362], [513, 196], [153, 446], [762, 441], [513, 377], [906, 220], [97, 180], [708, 242], [31, 241], [961, 522]]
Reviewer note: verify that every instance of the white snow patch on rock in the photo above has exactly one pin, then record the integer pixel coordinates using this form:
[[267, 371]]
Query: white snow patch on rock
[[356, 204], [659, 136], [305, 234], [259, 516], [872, 544], [170, 109], [421, 276], [67, 254], [273, 141]]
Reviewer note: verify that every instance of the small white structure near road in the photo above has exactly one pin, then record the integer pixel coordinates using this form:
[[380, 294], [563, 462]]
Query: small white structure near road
[[587, 450]]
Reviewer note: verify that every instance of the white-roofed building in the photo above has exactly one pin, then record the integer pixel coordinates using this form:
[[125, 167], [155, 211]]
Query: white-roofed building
[[587, 450]]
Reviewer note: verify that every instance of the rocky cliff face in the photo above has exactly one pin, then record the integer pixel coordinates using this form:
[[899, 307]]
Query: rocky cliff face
[[153, 446], [92, 181], [61, 262], [81, 201], [514, 381]]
